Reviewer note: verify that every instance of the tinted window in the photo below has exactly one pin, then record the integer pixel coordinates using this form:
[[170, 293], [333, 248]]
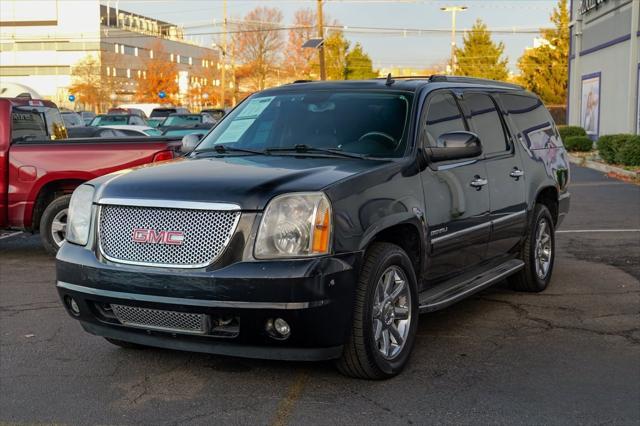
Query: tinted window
[[532, 119], [137, 120], [369, 123], [443, 116], [485, 122], [27, 125]]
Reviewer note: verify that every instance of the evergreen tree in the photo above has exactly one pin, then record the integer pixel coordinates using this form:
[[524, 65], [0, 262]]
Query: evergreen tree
[[544, 69], [480, 56], [358, 65]]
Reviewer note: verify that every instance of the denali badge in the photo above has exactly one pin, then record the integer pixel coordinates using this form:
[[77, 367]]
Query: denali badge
[[150, 236]]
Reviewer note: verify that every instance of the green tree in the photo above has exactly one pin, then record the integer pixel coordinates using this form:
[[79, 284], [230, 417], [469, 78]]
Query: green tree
[[335, 54], [544, 69], [358, 65], [480, 56]]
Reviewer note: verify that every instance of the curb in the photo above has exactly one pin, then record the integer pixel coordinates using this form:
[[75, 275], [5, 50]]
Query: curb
[[604, 168]]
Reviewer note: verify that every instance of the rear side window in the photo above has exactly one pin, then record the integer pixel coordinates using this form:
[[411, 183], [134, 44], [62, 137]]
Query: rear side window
[[443, 116], [532, 120], [485, 121], [27, 125]]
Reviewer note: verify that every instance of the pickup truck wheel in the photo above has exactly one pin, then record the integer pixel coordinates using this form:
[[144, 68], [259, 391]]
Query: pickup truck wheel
[[123, 344], [385, 316], [53, 224], [538, 253]]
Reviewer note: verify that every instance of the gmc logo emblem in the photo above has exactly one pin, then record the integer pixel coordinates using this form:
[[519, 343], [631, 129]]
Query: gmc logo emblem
[[151, 236]]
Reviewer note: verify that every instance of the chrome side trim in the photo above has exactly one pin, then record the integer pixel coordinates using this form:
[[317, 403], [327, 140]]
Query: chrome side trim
[[454, 165], [460, 232], [169, 204], [509, 217], [477, 227], [189, 302]]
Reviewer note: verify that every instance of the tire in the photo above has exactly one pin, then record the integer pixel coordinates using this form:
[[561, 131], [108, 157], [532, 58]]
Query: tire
[[123, 344], [530, 279], [362, 356], [51, 235]]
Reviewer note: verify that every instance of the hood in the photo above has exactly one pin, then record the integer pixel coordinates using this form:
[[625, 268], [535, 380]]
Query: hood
[[249, 181]]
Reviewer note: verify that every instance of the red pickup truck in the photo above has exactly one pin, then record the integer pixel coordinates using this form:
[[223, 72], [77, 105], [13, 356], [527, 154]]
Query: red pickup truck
[[39, 169]]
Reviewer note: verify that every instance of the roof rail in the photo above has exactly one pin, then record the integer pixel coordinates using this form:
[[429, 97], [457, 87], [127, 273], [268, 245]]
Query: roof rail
[[472, 80], [302, 81]]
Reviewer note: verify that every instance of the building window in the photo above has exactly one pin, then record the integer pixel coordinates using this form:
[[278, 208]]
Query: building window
[[190, 60], [171, 57], [108, 72], [122, 49], [128, 73], [139, 73], [178, 60], [144, 75], [116, 46], [151, 54], [113, 72], [135, 51]]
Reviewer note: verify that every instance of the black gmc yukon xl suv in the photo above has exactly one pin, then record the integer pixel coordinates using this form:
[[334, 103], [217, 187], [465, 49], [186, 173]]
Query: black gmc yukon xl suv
[[317, 220]]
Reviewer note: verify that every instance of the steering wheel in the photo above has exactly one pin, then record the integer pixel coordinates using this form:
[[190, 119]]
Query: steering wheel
[[384, 137]]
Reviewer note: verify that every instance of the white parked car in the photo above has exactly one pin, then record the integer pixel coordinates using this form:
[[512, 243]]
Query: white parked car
[[133, 130]]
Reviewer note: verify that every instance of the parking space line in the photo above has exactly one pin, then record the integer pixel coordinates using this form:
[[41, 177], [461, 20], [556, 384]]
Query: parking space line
[[586, 231], [285, 408], [13, 234]]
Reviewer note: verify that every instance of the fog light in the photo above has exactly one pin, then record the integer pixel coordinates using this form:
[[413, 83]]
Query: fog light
[[72, 305], [278, 328]]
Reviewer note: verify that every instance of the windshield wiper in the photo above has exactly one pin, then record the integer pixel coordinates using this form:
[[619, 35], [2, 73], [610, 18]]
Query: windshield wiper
[[306, 149], [224, 149]]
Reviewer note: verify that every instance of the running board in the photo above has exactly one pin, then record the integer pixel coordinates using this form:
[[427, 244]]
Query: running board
[[452, 291]]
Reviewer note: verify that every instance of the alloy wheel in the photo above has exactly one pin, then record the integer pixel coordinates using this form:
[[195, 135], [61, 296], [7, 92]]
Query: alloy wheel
[[543, 249], [59, 227]]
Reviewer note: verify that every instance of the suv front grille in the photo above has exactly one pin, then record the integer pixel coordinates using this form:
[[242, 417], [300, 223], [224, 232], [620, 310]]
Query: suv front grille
[[203, 235], [156, 319]]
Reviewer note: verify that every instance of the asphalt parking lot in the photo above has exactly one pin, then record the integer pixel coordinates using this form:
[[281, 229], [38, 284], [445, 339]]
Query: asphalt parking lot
[[570, 355]]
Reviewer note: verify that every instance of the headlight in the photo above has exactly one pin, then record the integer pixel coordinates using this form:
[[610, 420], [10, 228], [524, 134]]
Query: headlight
[[295, 225], [79, 217]]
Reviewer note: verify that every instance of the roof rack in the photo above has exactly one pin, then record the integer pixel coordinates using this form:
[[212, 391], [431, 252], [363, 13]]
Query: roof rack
[[436, 78], [439, 78]]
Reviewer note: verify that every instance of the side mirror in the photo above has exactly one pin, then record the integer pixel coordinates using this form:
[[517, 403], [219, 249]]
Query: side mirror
[[189, 142], [455, 146]]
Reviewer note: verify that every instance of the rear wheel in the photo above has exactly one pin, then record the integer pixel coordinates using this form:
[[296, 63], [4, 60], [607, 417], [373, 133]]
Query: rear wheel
[[538, 253], [385, 315], [53, 224]]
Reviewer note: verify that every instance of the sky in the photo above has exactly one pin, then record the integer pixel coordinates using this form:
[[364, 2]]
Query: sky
[[386, 50]]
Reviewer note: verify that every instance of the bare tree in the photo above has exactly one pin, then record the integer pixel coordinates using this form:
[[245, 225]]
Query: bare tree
[[259, 43]]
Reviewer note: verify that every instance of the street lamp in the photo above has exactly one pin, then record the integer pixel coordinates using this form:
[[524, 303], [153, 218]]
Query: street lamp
[[453, 10]]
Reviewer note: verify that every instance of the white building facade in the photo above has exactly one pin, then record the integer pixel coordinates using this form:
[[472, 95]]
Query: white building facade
[[604, 66], [42, 40]]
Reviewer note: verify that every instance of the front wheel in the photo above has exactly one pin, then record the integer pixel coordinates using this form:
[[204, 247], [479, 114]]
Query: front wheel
[[538, 253], [53, 224], [385, 315]]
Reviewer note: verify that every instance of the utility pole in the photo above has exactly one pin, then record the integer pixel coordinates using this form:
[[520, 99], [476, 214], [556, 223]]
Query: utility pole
[[323, 73], [224, 54], [453, 10]]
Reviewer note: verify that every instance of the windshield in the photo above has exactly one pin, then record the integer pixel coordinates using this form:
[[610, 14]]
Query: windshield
[[181, 120], [368, 123], [106, 120], [72, 120], [183, 132]]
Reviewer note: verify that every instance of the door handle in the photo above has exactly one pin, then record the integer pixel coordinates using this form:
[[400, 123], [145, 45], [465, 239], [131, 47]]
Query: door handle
[[478, 182], [516, 173]]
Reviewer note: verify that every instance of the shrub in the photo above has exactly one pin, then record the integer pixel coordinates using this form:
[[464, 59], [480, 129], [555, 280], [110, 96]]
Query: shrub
[[567, 131], [578, 143], [629, 152], [609, 145]]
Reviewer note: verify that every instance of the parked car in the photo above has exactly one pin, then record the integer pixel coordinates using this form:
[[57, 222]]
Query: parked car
[[128, 111], [187, 120], [317, 220], [215, 113], [72, 119], [155, 122], [39, 174], [182, 131], [117, 119], [94, 132], [166, 111], [130, 130], [87, 116]]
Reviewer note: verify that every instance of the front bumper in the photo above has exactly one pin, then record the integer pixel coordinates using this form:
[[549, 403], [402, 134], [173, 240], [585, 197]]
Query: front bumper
[[315, 296]]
